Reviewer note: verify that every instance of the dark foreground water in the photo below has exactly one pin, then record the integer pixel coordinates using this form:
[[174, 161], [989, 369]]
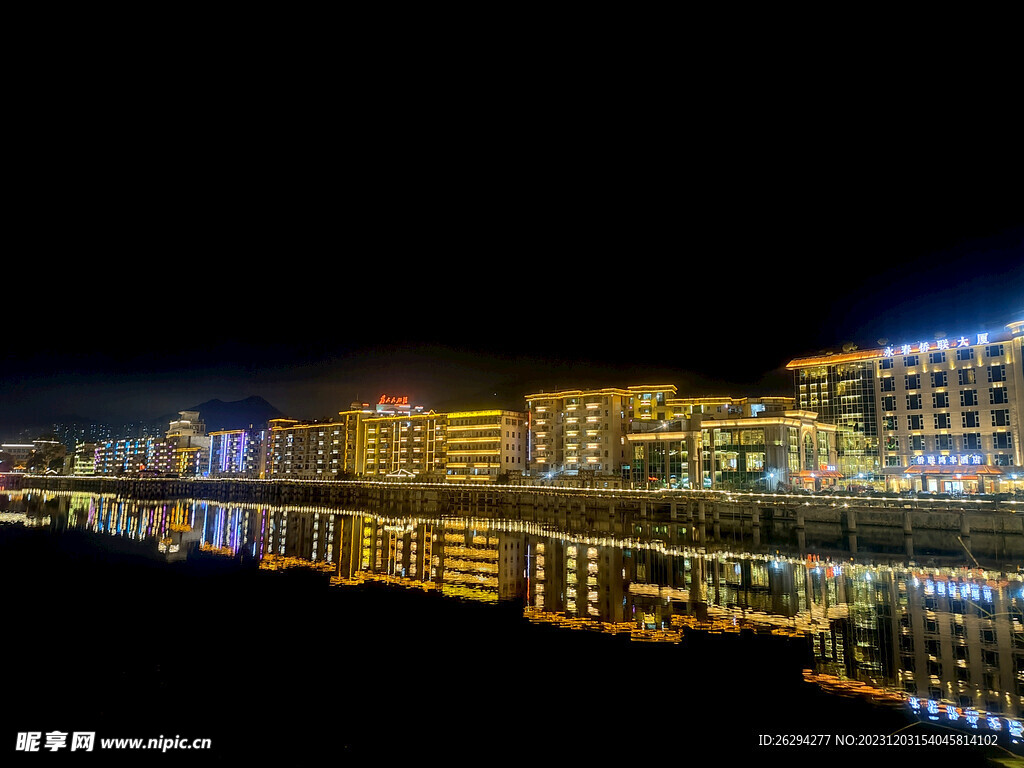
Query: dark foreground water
[[338, 635]]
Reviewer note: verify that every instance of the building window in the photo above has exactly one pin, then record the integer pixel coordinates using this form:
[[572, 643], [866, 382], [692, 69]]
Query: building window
[[942, 421], [972, 441], [938, 379], [1001, 417], [970, 419], [967, 376], [915, 421], [937, 357], [912, 381], [965, 353], [997, 373], [944, 442], [914, 402], [995, 350], [909, 360], [917, 442], [1002, 440], [997, 395], [889, 403], [885, 364], [940, 400], [969, 397]]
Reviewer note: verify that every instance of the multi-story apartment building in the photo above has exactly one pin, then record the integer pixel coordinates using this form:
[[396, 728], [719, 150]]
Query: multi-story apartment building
[[147, 455], [395, 440], [405, 446], [236, 453], [481, 446], [935, 415], [585, 430], [326, 450]]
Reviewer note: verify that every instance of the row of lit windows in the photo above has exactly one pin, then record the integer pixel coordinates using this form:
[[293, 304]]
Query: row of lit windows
[[965, 377], [968, 398], [968, 419]]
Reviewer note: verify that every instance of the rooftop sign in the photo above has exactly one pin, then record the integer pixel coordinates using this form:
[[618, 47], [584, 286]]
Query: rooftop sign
[[939, 345]]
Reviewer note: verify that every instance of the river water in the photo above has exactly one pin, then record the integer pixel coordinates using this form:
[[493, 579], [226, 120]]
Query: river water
[[294, 630]]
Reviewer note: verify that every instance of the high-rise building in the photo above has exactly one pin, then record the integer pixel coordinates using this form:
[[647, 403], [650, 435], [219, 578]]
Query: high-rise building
[[937, 415]]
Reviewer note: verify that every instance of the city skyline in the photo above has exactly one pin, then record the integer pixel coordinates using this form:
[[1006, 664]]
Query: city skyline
[[706, 323]]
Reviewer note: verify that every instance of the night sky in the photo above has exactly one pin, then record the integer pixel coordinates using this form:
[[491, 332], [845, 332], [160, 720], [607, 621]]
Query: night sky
[[465, 273]]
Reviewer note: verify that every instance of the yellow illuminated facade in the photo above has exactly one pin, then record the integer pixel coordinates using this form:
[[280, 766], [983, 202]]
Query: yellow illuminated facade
[[482, 446], [404, 446], [575, 431]]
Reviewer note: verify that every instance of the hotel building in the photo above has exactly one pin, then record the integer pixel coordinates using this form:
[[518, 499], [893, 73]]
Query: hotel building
[[585, 430], [940, 415]]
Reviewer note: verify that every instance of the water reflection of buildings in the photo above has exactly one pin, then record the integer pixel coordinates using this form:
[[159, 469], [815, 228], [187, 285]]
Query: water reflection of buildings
[[941, 635]]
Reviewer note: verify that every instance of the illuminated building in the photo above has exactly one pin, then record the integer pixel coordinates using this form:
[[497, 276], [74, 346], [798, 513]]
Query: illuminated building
[[406, 443], [404, 446], [188, 435], [773, 448], [575, 431], [481, 445], [235, 452], [189, 462], [723, 406], [188, 424], [85, 459], [394, 405], [841, 390], [318, 450], [136, 456], [940, 415]]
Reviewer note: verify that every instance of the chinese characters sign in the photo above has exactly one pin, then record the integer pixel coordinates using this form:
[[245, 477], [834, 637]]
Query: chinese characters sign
[[937, 346]]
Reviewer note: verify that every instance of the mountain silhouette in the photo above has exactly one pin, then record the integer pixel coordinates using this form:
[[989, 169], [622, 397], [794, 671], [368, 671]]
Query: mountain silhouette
[[238, 414]]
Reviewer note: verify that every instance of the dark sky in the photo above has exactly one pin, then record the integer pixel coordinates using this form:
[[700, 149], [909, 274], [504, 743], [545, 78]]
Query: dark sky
[[466, 264]]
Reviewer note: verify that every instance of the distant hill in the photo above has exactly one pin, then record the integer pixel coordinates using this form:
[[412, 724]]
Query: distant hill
[[238, 414]]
